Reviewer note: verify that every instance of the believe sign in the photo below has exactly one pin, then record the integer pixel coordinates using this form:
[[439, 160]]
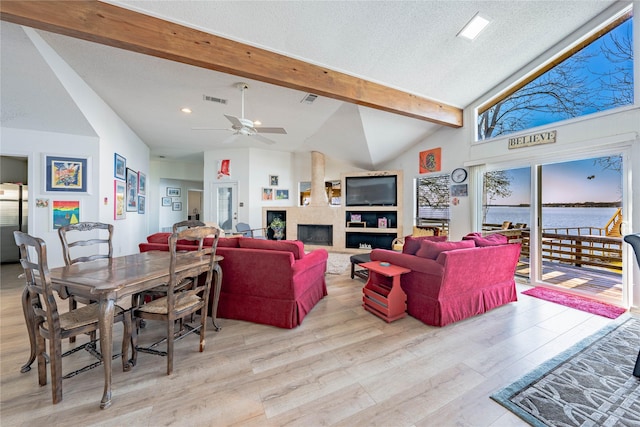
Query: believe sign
[[534, 139]]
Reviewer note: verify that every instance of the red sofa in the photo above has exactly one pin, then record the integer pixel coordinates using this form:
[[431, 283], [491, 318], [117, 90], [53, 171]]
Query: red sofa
[[263, 281], [450, 281]]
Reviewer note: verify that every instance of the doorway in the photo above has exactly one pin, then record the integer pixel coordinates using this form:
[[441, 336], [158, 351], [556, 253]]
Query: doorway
[[224, 205], [569, 216], [194, 204]]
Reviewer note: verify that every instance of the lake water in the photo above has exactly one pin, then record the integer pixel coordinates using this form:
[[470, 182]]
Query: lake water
[[552, 217]]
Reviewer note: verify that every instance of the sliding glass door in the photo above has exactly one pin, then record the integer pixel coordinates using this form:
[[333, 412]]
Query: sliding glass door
[[580, 242]]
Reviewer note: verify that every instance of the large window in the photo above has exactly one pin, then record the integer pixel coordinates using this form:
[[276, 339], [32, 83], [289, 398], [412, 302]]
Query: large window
[[596, 75], [432, 201]]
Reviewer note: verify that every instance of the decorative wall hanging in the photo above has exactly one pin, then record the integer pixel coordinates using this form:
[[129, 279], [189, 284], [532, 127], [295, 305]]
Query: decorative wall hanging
[[142, 184], [224, 169], [119, 166], [119, 196], [282, 194], [65, 212], [132, 190], [267, 194], [68, 174], [430, 160], [273, 180]]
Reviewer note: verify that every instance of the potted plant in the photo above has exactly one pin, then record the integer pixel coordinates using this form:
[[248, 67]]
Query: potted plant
[[277, 225]]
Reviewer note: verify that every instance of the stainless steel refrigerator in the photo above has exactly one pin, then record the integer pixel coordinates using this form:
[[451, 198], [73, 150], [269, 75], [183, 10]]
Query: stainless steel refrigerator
[[13, 216]]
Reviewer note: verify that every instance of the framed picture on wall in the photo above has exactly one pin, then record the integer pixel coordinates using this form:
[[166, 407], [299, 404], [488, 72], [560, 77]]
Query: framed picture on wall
[[282, 194], [267, 193], [142, 184], [64, 212], [119, 196], [119, 166], [177, 206], [141, 204], [66, 174], [166, 201], [273, 180], [173, 192], [132, 190]]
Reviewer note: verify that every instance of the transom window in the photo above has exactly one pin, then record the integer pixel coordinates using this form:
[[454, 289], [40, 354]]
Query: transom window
[[596, 75]]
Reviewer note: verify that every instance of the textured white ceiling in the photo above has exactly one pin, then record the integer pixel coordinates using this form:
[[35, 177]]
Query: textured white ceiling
[[409, 45]]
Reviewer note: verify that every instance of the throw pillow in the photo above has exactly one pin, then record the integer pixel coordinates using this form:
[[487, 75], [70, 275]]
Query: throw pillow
[[490, 240], [431, 250], [412, 244]]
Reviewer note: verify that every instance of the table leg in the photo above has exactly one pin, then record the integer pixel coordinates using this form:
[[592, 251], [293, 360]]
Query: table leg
[[31, 329], [107, 310], [217, 284]]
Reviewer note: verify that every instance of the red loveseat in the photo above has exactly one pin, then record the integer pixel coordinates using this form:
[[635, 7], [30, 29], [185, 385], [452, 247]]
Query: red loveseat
[[451, 281], [264, 281]]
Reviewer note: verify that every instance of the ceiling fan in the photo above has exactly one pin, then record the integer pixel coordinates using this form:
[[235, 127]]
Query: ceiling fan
[[243, 126]]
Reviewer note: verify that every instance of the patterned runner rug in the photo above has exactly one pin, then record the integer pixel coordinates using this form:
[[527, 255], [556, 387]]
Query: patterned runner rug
[[591, 384]]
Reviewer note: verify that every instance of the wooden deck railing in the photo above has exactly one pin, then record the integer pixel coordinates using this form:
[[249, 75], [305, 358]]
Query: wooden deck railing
[[579, 246]]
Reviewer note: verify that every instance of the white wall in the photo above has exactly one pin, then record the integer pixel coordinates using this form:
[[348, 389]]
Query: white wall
[[250, 168], [114, 136], [34, 145]]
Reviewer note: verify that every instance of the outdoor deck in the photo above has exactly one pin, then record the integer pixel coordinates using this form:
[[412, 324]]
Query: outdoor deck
[[604, 284]]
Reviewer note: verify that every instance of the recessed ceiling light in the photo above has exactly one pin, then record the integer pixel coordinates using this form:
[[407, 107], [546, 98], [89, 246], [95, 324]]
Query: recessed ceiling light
[[186, 110], [474, 27]]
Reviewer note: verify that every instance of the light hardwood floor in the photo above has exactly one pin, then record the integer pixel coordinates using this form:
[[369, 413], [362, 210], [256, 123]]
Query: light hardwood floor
[[342, 366]]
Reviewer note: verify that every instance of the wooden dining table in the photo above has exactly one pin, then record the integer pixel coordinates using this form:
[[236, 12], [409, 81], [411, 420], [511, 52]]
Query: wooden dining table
[[109, 280]]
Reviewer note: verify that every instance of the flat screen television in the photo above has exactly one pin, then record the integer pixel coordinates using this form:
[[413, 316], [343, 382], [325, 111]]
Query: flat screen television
[[371, 190]]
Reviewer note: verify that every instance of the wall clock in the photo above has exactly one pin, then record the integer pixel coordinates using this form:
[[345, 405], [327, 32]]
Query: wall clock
[[459, 175]]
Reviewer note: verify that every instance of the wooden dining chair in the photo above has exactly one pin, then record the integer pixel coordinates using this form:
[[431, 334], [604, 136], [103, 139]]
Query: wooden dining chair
[[55, 326], [161, 290], [81, 242], [181, 302]]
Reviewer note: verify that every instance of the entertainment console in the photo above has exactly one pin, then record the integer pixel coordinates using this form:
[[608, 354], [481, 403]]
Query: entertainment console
[[373, 209]]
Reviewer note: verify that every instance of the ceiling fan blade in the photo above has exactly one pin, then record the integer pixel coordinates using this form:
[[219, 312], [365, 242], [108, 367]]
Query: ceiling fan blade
[[281, 131], [206, 128], [234, 121], [263, 139]]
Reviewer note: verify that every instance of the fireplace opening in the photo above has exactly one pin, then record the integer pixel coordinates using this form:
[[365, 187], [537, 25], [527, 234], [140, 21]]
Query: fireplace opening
[[313, 234]]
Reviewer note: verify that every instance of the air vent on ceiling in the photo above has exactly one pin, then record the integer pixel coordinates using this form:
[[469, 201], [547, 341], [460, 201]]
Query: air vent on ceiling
[[309, 98], [214, 99]]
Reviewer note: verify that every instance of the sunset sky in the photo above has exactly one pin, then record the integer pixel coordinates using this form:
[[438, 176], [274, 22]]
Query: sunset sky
[[572, 182]]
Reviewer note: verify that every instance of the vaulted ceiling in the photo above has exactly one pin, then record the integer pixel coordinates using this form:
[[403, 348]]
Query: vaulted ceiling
[[407, 47]]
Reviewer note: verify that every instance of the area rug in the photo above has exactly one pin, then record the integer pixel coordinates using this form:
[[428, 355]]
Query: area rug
[[338, 263], [577, 302], [590, 384]]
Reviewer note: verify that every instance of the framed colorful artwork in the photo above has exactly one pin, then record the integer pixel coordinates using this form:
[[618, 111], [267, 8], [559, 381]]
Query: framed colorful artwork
[[142, 184], [430, 160], [141, 204], [132, 190], [64, 212], [267, 193], [273, 180], [66, 174], [119, 192], [282, 194], [166, 201], [119, 166]]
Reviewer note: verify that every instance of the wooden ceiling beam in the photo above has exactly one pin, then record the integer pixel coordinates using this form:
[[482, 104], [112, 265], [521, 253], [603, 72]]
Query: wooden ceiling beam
[[122, 28]]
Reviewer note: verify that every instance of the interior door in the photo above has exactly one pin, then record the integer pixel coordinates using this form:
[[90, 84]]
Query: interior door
[[224, 205]]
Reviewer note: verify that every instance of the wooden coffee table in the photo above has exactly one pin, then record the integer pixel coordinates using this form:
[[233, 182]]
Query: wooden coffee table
[[385, 299]]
